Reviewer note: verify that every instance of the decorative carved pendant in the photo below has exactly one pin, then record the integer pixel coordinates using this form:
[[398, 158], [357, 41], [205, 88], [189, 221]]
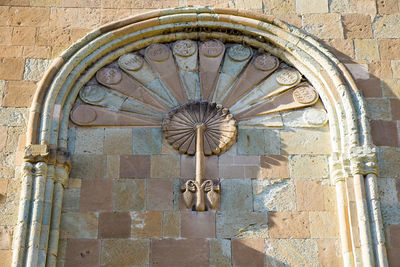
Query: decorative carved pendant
[[187, 88]]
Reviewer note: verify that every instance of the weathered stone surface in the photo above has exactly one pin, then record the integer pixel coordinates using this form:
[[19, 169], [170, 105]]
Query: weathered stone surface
[[71, 199], [89, 141], [242, 224], [35, 68], [112, 167], [387, 6], [96, 195], [236, 195], [134, 166], [277, 7], [198, 224], [395, 65], [380, 69], [329, 253], [114, 225], [18, 94], [5, 237], [160, 194], [79, 225], [366, 49], [248, 251], [11, 68], [171, 224], [128, 195], [118, 141], [314, 6], [386, 26], [370, 88], [82, 252], [3, 190], [384, 133], [391, 88], [288, 224], [323, 26], [339, 6], [395, 108], [5, 256], [163, 249], [147, 141], [147, 224], [292, 252], [125, 252], [323, 224], [258, 142], [357, 26], [87, 166], [358, 71], [165, 166], [378, 109], [220, 253], [23, 36], [29, 16], [309, 195], [363, 7], [389, 49], [315, 141], [274, 195], [309, 166], [387, 191]]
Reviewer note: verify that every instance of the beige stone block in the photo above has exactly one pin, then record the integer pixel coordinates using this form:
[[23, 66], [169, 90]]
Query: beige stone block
[[36, 52], [274, 166], [3, 137], [330, 203], [395, 65], [5, 237], [378, 109], [54, 36], [11, 68], [366, 49], [165, 166], [311, 6], [81, 3], [112, 168], [302, 141], [380, 69], [171, 224], [11, 51], [23, 36], [292, 252], [357, 26], [329, 253], [29, 16], [363, 7], [118, 141], [342, 48], [5, 256], [386, 26], [128, 194], [389, 49], [5, 15], [147, 224], [388, 6], [89, 141], [309, 194], [323, 26], [6, 35], [125, 252], [3, 190], [292, 19], [45, 3], [110, 15], [391, 88], [276, 7], [79, 225], [19, 94], [309, 166], [288, 224], [323, 224], [249, 4]]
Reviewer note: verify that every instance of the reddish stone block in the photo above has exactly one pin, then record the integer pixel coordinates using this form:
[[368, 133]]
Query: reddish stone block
[[19, 94], [288, 224], [395, 107], [188, 167], [160, 194], [114, 225], [384, 133], [147, 224], [274, 166], [309, 194], [393, 256], [179, 252], [248, 252], [198, 224], [395, 235], [134, 166], [370, 87], [96, 195], [82, 252]]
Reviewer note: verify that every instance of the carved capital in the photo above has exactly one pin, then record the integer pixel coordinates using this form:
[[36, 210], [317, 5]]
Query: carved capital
[[337, 168], [36, 153], [41, 169], [363, 160]]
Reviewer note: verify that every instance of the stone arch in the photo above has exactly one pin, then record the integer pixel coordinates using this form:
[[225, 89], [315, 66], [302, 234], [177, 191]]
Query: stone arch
[[47, 160]]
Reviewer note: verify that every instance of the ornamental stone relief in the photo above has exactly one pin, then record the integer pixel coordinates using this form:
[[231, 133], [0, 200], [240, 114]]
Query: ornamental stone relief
[[199, 93]]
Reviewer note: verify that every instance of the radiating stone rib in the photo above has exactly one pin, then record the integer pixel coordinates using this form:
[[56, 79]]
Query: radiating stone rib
[[117, 80], [210, 55], [161, 60], [258, 69]]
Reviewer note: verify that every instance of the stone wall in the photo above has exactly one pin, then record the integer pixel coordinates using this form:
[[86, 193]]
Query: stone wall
[[363, 34]]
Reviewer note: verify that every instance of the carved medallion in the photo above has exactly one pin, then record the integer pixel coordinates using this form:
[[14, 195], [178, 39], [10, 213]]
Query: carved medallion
[[184, 48], [212, 48], [239, 53], [265, 62], [287, 77], [92, 93], [305, 94], [157, 52], [109, 76], [131, 62]]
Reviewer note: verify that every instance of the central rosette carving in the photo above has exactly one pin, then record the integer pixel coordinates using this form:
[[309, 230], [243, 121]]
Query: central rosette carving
[[200, 128]]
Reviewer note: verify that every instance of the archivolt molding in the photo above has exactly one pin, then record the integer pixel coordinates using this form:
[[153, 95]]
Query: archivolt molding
[[352, 156]]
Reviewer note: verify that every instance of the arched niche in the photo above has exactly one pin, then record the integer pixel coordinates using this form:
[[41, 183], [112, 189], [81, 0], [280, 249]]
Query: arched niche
[[46, 168]]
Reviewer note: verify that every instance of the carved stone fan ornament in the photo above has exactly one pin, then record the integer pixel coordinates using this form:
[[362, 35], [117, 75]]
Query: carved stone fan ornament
[[198, 92]]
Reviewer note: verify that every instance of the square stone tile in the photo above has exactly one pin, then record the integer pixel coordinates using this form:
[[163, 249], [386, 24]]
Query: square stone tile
[[236, 195], [89, 140], [82, 252], [171, 224], [179, 252], [242, 224], [310, 195], [125, 252], [198, 224], [274, 166], [251, 142], [288, 224], [147, 141], [128, 194], [165, 166], [309, 166], [114, 225], [323, 224], [248, 251], [71, 199], [160, 194], [79, 225], [96, 195], [147, 224], [188, 167], [87, 166], [118, 141], [134, 166]]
